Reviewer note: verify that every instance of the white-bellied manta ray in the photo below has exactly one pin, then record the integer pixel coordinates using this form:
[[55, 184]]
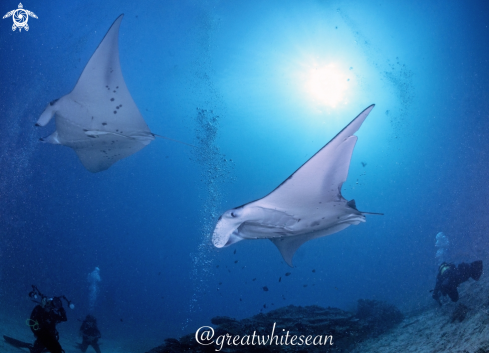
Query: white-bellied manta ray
[[307, 205], [99, 118]]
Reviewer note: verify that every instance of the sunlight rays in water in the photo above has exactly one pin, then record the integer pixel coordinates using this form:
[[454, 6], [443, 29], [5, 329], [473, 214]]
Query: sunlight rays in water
[[327, 85]]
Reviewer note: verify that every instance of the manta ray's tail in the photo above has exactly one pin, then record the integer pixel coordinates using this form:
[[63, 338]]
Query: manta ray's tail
[[167, 138], [353, 205]]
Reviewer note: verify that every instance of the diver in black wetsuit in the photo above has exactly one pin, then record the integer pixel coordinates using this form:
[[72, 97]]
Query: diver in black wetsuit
[[90, 334], [450, 277], [43, 321]]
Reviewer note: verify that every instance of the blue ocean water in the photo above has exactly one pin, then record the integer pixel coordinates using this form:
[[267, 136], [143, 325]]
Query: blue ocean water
[[233, 78]]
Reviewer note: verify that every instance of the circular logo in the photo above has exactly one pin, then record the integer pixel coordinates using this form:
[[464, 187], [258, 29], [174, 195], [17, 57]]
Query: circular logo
[[20, 17]]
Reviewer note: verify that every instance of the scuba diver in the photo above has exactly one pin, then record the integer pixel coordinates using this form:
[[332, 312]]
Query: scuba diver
[[90, 334], [44, 318], [450, 277], [43, 321]]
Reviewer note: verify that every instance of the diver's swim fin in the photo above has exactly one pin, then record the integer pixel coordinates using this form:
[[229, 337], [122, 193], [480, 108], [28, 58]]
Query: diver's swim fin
[[476, 269], [17, 343]]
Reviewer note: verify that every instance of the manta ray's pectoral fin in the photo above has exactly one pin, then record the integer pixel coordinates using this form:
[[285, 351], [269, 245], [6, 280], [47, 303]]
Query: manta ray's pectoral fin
[[288, 246]]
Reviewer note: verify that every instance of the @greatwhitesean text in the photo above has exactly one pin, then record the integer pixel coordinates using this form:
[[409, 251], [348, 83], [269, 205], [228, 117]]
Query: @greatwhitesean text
[[205, 336]]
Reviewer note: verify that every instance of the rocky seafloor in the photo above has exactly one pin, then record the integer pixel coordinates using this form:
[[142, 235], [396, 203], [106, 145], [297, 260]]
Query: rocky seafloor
[[332, 329], [461, 327], [376, 326]]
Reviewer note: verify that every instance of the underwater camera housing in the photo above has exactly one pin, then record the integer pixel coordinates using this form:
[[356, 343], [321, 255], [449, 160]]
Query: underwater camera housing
[[35, 293]]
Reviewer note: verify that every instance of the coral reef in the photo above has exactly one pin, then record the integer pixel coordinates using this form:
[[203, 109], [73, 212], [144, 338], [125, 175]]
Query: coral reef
[[380, 316], [332, 325]]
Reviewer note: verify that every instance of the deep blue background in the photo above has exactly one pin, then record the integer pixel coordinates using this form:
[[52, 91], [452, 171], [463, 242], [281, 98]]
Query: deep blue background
[[146, 222]]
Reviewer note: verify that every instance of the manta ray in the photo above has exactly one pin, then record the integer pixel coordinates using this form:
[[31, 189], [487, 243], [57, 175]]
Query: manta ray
[[307, 205], [99, 119]]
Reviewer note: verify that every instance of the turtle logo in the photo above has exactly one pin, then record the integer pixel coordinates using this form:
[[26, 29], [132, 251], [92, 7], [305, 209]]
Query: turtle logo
[[20, 17]]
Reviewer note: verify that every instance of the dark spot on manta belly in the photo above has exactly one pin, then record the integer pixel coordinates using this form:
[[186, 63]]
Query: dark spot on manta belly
[[111, 99], [315, 223], [115, 111], [104, 124]]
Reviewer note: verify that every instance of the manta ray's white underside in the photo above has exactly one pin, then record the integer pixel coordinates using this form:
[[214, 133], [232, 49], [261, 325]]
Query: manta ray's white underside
[[99, 118], [307, 205]]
